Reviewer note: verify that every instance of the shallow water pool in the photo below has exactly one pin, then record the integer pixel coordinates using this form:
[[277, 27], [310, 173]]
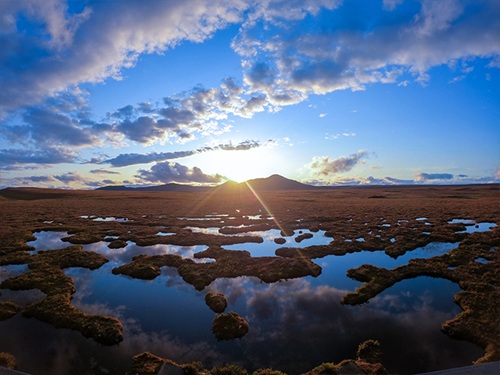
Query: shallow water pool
[[295, 325]]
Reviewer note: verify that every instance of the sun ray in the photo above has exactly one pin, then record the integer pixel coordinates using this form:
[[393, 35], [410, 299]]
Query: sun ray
[[305, 259]]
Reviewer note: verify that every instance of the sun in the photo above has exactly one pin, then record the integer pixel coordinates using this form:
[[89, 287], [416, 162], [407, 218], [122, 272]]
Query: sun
[[240, 166]]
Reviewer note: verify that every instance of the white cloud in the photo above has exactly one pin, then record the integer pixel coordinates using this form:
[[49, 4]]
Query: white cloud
[[423, 177], [323, 166], [437, 16], [89, 47], [338, 135], [323, 61]]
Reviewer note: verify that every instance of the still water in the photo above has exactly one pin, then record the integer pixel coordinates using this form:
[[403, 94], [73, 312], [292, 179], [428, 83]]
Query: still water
[[295, 325]]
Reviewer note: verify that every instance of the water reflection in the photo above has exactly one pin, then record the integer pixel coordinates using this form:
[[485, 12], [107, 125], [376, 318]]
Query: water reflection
[[309, 325], [124, 255], [48, 240], [294, 325], [472, 227]]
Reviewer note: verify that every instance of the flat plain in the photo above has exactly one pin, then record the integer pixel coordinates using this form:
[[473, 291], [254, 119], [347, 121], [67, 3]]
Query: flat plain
[[393, 219]]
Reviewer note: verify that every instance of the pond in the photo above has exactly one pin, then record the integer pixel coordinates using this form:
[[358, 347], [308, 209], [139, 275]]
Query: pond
[[295, 325]]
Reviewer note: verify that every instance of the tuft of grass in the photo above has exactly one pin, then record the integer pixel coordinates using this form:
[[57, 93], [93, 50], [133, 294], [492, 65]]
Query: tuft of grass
[[228, 370], [268, 371], [7, 360]]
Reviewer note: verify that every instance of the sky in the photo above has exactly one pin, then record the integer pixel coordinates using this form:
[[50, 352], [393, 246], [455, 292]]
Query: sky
[[326, 92]]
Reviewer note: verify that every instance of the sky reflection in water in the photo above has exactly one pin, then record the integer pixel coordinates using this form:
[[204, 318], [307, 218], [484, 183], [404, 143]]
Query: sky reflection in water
[[294, 325]]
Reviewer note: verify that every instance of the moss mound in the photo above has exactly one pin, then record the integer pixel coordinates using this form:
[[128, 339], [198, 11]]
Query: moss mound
[[229, 326], [8, 310], [216, 301]]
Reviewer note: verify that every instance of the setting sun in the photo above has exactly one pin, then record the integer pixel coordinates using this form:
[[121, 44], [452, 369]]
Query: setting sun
[[241, 166]]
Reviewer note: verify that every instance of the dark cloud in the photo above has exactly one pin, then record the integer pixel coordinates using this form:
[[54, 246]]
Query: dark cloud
[[176, 117], [123, 160], [199, 110], [47, 127], [70, 177], [174, 172], [45, 156], [124, 113], [53, 128], [36, 179], [142, 130], [243, 146], [103, 171], [260, 76], [324, 166], [255, 104], [433, 176]]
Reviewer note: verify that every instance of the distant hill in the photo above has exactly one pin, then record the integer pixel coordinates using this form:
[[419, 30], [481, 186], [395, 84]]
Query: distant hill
[[277, 182], [116, 188], [166, 187], [271, 183]]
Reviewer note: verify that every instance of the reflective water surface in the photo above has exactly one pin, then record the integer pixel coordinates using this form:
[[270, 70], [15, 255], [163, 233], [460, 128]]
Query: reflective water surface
[[295, 325]]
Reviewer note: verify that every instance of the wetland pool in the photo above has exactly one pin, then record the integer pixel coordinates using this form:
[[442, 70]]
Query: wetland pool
[[295, 324]]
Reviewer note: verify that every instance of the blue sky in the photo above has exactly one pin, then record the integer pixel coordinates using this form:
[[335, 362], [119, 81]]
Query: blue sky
[[327, 92]]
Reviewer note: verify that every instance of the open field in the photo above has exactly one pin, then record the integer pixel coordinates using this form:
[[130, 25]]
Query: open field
[[397, 220]]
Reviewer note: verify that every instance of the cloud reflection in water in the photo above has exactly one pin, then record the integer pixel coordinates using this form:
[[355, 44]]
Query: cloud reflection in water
[[294, 325]]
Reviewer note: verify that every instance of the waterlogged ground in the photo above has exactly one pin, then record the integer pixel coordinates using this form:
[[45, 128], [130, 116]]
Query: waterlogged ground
[[295, 324]]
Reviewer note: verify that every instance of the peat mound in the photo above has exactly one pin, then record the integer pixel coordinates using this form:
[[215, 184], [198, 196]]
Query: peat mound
[[216, 301], [229, 326]]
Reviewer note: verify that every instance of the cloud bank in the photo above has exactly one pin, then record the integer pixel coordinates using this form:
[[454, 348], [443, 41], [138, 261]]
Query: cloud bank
[[123, 160], [167, 172]]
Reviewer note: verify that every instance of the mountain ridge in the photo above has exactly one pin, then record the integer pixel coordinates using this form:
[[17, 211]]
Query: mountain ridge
[[274, 182]]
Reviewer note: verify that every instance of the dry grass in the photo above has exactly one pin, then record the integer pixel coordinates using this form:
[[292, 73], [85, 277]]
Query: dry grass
[[216, 301], [346, 213], [229, 326]]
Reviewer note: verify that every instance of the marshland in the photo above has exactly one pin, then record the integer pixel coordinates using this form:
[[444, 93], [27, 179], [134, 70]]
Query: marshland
[[90, 280]]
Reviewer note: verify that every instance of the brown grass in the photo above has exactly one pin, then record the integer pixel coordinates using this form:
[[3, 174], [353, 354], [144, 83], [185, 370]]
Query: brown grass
[[229, 326], [216, 301], [229, 263], [346, 213], [46, 275]]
